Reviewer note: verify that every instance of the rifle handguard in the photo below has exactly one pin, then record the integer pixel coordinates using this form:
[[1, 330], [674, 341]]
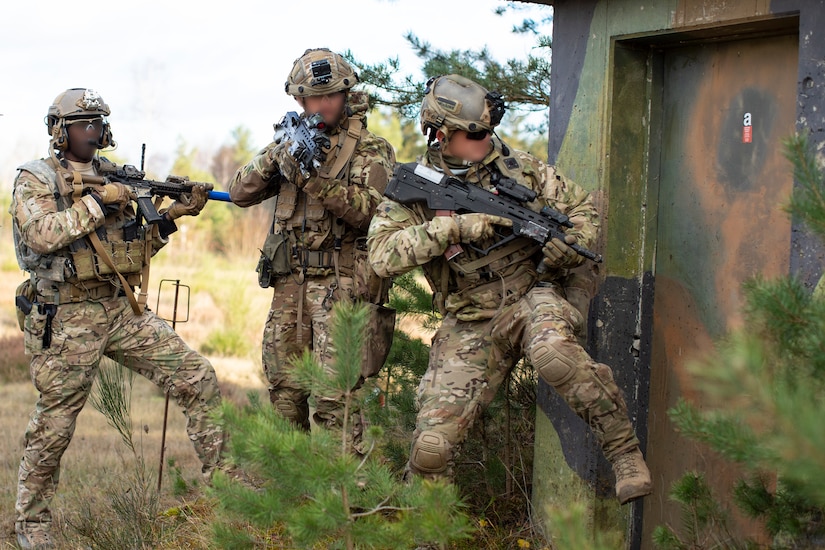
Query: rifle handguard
[[143, 191], [413, 182]]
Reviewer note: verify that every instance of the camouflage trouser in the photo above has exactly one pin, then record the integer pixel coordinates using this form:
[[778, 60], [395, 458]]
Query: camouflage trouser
[[470, 359], [281, 344], [63, 373]]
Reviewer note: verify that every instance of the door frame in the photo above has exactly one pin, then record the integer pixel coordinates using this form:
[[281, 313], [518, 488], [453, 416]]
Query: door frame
[[624, 305]]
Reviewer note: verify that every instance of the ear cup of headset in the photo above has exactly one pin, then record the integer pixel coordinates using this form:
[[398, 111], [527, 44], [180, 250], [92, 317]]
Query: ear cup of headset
[[60, 138], [105, 140]]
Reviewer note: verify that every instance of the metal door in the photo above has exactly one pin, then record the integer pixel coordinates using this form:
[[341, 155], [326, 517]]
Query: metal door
[[727, 105]]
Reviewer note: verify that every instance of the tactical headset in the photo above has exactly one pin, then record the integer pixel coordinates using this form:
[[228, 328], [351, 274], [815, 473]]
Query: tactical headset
[[60, 136], [71, 106]]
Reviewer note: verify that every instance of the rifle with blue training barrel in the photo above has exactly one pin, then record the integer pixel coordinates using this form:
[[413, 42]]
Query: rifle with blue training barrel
[[145, 190]]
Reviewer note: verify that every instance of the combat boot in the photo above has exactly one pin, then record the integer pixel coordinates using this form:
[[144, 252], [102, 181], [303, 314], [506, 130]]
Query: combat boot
[[632, 476], [234, 473], [33, 536]]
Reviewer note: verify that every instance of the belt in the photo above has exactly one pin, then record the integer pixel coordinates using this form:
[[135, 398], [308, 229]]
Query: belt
[[325, 259], [316, 258], [70, 294]]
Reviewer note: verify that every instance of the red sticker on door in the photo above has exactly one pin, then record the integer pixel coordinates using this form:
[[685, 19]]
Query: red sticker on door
[[747, 128]]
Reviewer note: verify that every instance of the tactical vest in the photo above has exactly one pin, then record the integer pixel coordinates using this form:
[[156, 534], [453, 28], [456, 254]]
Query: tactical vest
[[77, 272], [477, 285], [314, 233]]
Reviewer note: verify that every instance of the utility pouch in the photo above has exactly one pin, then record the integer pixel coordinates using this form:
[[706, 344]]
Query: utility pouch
[[126, 256], [23, 299], [274, 261], [380, 329]]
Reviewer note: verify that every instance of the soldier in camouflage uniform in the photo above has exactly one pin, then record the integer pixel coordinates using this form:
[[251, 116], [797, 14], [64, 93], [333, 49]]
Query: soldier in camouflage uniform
[[83, 310], [497, 307], [321, 221]]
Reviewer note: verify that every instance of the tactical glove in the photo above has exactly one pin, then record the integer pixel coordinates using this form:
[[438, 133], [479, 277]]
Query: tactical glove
[[557, 253], [115, 193], [115, 196], [475, 227], [189, 204], [267, 164], [290, 168]]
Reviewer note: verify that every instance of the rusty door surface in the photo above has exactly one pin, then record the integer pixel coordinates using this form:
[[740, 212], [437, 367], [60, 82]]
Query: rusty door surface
[[727, 105]]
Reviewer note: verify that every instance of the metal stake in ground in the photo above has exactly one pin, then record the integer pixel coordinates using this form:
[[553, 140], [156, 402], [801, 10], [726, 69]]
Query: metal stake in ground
[[174, 320]]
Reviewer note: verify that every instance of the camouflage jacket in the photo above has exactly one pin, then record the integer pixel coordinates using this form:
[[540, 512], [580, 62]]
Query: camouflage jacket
[[308, 213], [471, 285], [50, 228]]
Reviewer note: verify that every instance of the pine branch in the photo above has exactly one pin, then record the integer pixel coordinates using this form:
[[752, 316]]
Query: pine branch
[[313, 483], [808, 200], [113, 399], [382, 508]]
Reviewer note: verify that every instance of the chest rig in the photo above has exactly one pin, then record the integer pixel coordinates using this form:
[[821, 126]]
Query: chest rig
[[320, 242], [109, 261], [473, 284]]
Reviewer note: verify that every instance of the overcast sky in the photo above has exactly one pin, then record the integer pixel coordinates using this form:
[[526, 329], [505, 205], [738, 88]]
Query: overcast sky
[[183, 69]]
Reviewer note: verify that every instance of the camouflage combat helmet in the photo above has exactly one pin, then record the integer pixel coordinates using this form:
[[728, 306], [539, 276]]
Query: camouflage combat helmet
[[454, 102], [77, 104], [319, 72]]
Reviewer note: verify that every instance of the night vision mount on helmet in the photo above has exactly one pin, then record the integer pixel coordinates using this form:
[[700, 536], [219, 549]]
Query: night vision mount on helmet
[[453, 102], [74, 105]]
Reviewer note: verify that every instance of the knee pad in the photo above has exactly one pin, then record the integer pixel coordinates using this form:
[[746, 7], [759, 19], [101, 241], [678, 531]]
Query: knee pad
[[554, 361], [430, 453]]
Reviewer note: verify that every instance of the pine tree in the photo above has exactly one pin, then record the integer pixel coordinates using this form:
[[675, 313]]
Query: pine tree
[[763, 389], [524, 82], [314, 485]]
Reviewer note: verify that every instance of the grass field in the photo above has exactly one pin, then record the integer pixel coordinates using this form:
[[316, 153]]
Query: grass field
[[226, 313], [225, 305]]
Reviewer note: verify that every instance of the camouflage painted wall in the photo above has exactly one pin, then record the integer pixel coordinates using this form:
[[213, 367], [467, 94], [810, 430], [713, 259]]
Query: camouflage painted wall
[[610, 88]]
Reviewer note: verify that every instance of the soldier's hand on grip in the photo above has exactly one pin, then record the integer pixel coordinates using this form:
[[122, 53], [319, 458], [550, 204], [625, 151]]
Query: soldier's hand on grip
[[557, 253], [290, 168], [115, 196], [475, 227], [189, 204]]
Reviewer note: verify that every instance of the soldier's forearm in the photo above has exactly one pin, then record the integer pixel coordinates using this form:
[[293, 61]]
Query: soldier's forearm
[[50, 232]]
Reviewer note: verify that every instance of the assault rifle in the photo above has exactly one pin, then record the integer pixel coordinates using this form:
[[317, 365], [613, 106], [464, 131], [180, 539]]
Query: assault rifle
[[413, 182], [307, 138], [146, 190]]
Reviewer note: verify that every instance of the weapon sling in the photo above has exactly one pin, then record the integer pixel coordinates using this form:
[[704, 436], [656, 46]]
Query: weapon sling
[[342, 159]]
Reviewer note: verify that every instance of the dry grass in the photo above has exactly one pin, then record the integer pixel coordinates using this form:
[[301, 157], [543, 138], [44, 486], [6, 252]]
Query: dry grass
[[97, 459], [223, 297]]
